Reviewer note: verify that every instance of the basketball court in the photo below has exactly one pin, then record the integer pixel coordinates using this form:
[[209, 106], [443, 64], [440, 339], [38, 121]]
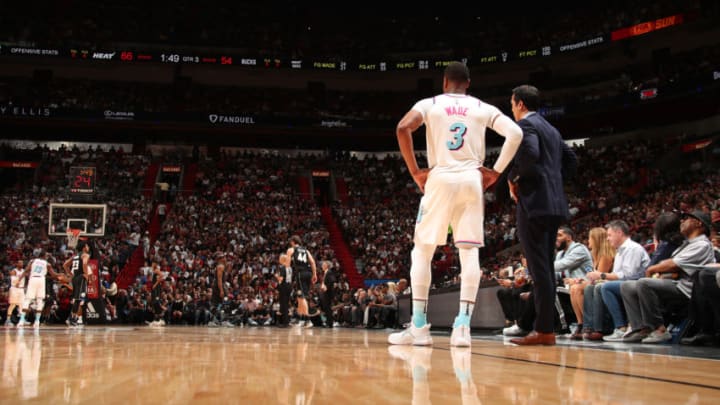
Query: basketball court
[[267, 365]]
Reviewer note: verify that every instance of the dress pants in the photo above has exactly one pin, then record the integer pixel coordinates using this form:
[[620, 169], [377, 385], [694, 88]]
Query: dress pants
[[284, 297], [326, 299], [537, 239]]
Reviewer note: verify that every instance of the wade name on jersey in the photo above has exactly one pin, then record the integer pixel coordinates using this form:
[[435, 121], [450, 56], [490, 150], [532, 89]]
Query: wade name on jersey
[[456, 110]]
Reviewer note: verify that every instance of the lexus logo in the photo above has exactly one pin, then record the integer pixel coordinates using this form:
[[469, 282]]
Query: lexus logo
[[213, 118]]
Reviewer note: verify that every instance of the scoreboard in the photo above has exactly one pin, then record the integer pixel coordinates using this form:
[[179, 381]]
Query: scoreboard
[[82, 180]]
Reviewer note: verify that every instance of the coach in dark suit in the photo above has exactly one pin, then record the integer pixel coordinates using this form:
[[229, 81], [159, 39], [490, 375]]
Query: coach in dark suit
[[536, 184], [327, 293]]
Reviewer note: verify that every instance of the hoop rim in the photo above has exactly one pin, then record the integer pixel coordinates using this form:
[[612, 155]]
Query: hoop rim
[[73, 237]]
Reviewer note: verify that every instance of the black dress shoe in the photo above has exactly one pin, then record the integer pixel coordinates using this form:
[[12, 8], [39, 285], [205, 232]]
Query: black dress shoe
[[701, 339]]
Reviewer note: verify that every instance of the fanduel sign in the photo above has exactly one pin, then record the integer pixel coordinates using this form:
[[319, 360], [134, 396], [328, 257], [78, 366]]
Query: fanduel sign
[[230, 119]]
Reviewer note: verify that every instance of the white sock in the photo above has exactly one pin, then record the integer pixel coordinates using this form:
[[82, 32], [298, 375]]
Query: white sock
[[420, 274], [466, 308], [469, 273]]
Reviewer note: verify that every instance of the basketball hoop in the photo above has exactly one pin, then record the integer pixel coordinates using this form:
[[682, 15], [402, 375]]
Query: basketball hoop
[[73, 236]]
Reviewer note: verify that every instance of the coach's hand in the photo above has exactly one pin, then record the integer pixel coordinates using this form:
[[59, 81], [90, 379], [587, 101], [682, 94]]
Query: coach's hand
[[489, 177], [513, 187]]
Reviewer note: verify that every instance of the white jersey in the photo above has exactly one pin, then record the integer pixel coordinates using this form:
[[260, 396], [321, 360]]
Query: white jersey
[[16, 281], [38, 268], [455, 130]]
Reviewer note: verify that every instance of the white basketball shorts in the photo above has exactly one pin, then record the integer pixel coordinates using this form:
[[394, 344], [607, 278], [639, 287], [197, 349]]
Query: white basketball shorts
[[36, 288], [451, 199], [17, 295]]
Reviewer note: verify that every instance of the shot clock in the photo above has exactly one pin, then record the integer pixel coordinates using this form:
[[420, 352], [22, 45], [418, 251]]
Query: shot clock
[[82, 180]]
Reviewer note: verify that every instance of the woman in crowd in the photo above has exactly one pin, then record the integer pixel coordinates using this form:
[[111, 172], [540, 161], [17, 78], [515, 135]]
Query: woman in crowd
[[602, 255]]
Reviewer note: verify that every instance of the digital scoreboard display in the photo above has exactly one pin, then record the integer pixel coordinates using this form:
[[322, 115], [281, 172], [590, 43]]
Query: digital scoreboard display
[[82, 180]]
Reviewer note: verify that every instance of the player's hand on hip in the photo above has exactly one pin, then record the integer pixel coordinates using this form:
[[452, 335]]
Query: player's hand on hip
[[489, 177], [420, 178]]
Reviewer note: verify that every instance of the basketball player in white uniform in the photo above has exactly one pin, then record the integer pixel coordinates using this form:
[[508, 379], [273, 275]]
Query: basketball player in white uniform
[[38, 269], [17, 290], [453, 186]]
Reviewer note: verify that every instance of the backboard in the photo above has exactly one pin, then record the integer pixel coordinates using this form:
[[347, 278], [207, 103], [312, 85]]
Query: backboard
[[89, 218]]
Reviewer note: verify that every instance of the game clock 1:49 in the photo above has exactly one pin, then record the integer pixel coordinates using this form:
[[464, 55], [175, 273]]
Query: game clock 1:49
[[82, 180]]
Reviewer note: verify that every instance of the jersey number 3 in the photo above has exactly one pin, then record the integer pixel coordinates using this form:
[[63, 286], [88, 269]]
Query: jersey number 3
[[458, 131]]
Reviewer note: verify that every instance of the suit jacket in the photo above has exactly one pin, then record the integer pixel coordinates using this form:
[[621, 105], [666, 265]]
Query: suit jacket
[[539, 167], [329, 281]]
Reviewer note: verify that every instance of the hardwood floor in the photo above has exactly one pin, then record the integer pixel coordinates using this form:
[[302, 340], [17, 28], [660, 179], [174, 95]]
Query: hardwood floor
[[266, 365]]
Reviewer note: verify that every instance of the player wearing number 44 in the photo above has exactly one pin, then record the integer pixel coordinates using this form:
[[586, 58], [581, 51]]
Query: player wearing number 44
[[453, 192]]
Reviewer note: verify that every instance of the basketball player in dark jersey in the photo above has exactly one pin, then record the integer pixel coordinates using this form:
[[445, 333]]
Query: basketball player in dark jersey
[[218, 291], [303, 264], [156, 295], [157, 280], [78, 265]]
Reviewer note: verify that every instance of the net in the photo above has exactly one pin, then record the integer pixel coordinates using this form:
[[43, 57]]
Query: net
[[73, 236]]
